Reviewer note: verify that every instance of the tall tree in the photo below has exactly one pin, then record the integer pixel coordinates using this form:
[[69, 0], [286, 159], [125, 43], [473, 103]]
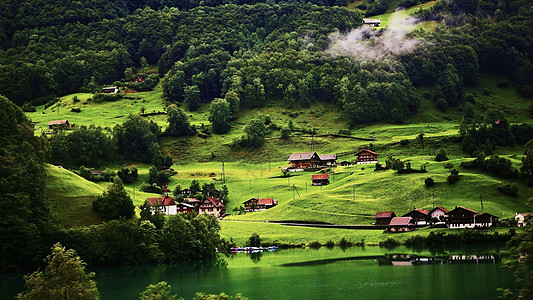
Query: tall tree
[[219, 116], [64, 277], [115, 202], [178, 125]]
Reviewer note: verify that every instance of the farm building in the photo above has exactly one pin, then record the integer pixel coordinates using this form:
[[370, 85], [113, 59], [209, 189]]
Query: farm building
[[438, 212], [384, 217], [486, 220], [62, 124], [522, 219], [401, 224], [328, 159], [320, 179], [372, 22], [367, 157], [110, 90], [304, 160], [212, 206], [184, 207], [166, 204], [418, 216], [256, 204]]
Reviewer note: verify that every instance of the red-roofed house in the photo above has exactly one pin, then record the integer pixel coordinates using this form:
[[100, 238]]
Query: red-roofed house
[[212, 206], [256, 204], [304, 160], [401, 224], [320, 179], [419, 216], [461, 217], [438, 212], [367, 157], [384, 217], [58, 124], [166, 204]]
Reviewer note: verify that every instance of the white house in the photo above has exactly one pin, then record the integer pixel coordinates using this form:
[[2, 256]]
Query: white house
[[521, 219]]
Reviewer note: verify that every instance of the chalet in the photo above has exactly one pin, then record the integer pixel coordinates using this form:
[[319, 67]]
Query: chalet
[[461, 217], [418, 216], [62, 124], [166, 204], [186, 192], [401, 224], [304, 160], [438, 212], [212, 206], [522, 219], [486, 220], [384, 217], [193, 201], [367, 157], [184, 207], [110, 90], [320, 179], [328, 159], [372, 22], [256, 204]]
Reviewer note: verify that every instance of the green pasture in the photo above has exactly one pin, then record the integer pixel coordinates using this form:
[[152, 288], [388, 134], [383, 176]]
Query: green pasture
[[387, 19]]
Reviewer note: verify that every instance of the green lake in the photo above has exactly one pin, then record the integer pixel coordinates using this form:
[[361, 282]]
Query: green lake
[[351, 273]]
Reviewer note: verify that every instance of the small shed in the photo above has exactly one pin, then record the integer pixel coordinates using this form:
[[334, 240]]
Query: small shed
[[372, 22], [58, 124], [384, 217], [320, 179], [110, 90], [401, 224]]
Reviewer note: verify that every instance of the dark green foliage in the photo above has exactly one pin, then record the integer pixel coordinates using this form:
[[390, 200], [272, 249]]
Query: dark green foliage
[[25, 218], [161, 291], [509, 189], [219, 116], [159, 178], [520, 247], [151, 188], [115, 202], [178, 124], [148, 84], [102, 97], [192, 97], [254, 135], [105, 175], [128, 174], [27, 107], [285, 133], [441, 156], [452, 178], [499, 166], [482, 132], [376, 8], [136, 139], [84, 146], [390, 242], [253, 241], [152, 214], [429, 182]]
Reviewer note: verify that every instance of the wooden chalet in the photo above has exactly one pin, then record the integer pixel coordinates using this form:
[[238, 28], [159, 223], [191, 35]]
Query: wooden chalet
[[486, 220], [367, 157], [384, 217], [184, 207], [461, 217], [320, 179], [110, 90], [304, 160], [438, 212], [212, 206], [328, 159], [418, 216], [372, 22], [165, 204], [256, 204], [62, 124], [401, 224]]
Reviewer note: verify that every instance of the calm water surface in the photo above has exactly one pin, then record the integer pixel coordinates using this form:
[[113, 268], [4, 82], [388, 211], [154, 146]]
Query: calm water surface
[[352, 273]]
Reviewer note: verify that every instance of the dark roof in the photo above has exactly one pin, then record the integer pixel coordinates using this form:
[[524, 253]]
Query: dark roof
[[365, 150], [320, 177], [58, 122], [384, 214], [467, 209], [165, 201], [263, 201], [328, 156], [301, 156], [400, 221], [486, 214], [441, 208]]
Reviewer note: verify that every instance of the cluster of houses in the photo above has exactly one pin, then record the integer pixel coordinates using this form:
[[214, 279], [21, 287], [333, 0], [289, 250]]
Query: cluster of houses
[[460, 217], [306, 160]]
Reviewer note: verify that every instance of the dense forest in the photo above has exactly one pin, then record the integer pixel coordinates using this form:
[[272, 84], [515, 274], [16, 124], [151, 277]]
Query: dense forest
[[236, 54]]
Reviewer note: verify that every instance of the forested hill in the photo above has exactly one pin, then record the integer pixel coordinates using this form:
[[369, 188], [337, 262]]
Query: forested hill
[[298, 52]]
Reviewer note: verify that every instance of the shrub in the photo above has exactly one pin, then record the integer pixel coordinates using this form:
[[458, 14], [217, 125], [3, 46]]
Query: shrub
[[404, 142], [253, 241], [448, 165], [452, 178], [470, 98], [509, 189], [344, 132], [389, 243], [486, 92], [27, 107], [441, 156], [285, 133], [315, 244], [101, 97], [441, 104], [503, 84], [75, 99], [429, 182], [76, 110]]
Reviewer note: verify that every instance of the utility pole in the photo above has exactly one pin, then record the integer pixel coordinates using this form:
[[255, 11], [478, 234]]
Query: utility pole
[[481, 198]]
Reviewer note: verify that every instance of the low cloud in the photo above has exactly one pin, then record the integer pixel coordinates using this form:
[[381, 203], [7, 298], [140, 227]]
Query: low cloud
[[365, 43]]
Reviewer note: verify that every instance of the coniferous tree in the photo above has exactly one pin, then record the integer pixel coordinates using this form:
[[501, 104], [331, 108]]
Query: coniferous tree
[[115, 202]]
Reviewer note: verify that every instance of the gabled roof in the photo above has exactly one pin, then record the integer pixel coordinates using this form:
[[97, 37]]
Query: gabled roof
[[214, 201], [263, 201], [193, 200], [385, 214], [57, 122], [400, 221], [328, 156], [165, 201], [301, 156], [186, 205], [467, 209], [320, 177], [365, 150], [441, 208], [486, 214], [419, 210]]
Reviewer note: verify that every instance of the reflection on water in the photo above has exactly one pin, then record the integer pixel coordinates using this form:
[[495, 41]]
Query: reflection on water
[[416, 260]]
